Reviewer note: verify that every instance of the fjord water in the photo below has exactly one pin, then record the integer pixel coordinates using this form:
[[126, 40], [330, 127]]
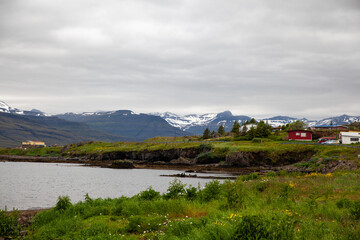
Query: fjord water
[[25, 185]]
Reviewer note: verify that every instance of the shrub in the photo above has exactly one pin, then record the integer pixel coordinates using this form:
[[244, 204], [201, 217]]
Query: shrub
[[9, 224], [271, 174], [251, 176], [261, 186], [129, 208], [88, 199], [344, 203], [176, 189], [264, 227], [149, 194], [191, 193], [209, 157], [355, 210], [205, 147], [211, 191], [285, 192], [234, 194], [63, 203], [181, 228]]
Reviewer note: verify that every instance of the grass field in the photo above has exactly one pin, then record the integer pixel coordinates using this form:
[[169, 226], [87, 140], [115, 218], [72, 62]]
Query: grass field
[[275, 206]]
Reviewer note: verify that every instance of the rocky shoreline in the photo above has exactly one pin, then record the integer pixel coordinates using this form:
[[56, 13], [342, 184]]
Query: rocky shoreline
[[186, 165]]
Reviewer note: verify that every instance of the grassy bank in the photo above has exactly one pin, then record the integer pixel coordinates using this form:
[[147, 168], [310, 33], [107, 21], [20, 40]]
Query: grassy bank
[[206, 152], [275, 206]]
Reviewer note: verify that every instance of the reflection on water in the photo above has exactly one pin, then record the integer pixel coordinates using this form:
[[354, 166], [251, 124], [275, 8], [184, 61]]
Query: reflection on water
[[38, 185]]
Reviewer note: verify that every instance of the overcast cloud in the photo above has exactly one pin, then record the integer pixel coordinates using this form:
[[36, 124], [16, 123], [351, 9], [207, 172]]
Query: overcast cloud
[[257, 57]]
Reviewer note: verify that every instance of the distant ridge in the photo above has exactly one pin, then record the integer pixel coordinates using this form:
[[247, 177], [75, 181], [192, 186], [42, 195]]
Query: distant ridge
[[124, 125]]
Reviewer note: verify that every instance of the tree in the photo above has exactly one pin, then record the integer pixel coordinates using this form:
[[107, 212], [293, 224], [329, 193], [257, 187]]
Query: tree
[[206, 133], [213, 134], [244, 129], [251, 133], [253, 121], [297, 125], [221, 130], [263, 129], [236, 128]]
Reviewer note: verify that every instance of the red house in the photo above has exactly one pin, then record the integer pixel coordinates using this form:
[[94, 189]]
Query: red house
[[300, 135]]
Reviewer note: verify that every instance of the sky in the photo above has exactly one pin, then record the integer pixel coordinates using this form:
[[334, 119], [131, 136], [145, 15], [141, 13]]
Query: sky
[[259, 58]]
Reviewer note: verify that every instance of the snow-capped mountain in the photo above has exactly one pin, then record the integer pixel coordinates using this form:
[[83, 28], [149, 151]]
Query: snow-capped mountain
[[283, 120], [186, 121], [190, 123], [339, 120], [197, 123], [4, 107]]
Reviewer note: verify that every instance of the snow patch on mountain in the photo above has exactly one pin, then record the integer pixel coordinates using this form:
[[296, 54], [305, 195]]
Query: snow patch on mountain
[[339, 120], [4, 107], [184, 122]]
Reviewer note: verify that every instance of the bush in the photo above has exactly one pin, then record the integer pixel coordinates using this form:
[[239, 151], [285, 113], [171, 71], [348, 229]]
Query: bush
[[205, 147], [63, 203], [261, 186], [234, 194], [344, 203], [209, 157], [149, 194], [251, 176], [191, 193], [264, 227], [285, 192], [182, 228], [176, 189], [9, 224], [355, 210], [211, 191], [271, 174]]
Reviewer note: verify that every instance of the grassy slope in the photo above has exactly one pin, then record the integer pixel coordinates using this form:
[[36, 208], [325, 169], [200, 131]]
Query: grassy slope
[[295, 206], [17, 128]]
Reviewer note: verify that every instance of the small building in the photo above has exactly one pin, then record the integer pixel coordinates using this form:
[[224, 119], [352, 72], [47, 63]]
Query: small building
[[349, 137], [300, 135], [33, 144], [277, 128], [331, 127]]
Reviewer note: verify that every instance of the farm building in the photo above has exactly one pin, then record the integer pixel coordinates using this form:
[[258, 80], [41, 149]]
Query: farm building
[[349, 137], [300, 135], [33, 144]]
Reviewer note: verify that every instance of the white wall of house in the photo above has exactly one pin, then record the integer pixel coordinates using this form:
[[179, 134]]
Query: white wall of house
[[350, 137]]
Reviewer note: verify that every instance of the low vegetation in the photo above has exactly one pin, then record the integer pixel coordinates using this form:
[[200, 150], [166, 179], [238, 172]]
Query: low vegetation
[[207, 151], [273, 206]]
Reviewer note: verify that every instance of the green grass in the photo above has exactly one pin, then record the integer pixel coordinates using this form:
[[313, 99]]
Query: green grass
[[44, 152], [286, 206], [274, 151]]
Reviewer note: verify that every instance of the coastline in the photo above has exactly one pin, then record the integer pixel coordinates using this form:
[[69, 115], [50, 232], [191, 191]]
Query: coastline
[[215, 168]]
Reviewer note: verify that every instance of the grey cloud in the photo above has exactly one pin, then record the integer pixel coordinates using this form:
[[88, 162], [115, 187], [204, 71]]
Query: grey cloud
[[252, 57]]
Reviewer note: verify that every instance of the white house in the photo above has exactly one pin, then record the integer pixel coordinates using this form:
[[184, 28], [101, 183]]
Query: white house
[[349, 137]]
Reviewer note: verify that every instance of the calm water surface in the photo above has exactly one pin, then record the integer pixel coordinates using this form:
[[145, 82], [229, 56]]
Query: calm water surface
[[38, 185]]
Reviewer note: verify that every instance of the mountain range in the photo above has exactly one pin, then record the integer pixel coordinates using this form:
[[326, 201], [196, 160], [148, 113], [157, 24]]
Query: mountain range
[[122, 125]]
